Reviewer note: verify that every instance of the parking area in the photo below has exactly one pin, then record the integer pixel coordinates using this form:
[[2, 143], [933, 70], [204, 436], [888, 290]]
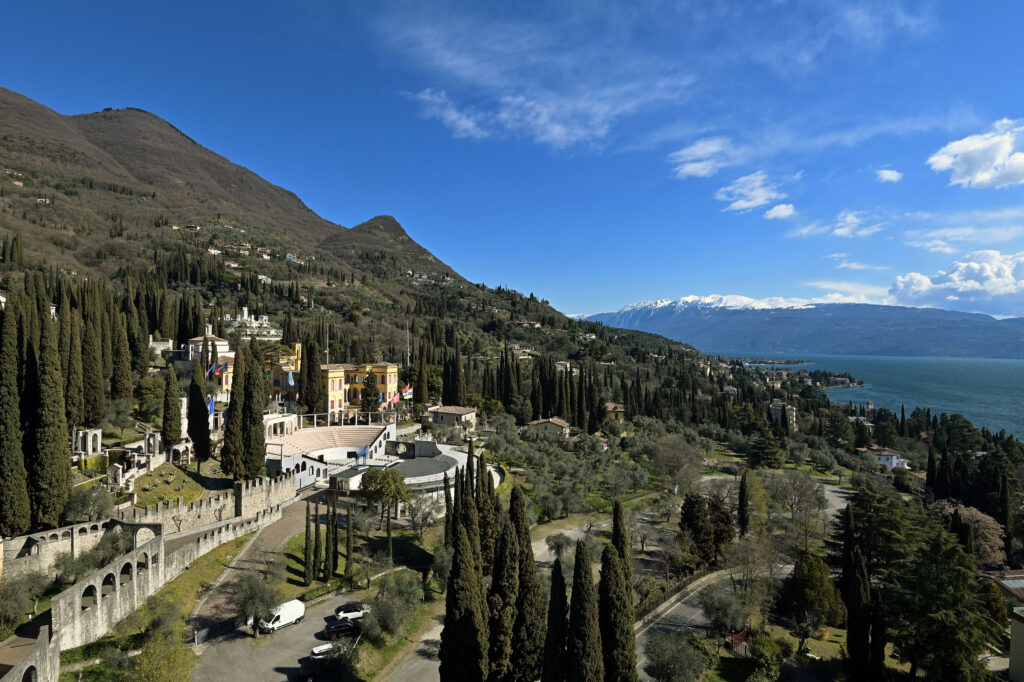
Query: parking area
[[276, 656]]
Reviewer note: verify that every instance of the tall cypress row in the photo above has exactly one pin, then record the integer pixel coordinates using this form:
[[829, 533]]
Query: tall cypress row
[[583, 641], [48, 458], [73, 378], [198, 414], [447, 512], [15, 510], [621, 543], [121, 379], [232, 450], [318, 546], [743, 506], [615, 615], [330, 543], [170, 428], [94, 402], [471, 523], [529, 631], [464, 641], [501, 603], [348, 541], [554, 644], [256, 396], [307, 554]]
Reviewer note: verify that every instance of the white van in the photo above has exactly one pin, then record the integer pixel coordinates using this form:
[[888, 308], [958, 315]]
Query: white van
[[287, 613]]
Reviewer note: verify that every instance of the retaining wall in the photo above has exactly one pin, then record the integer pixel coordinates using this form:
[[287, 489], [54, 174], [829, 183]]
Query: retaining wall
[[176, 516], [42, 663], [39, 551], [259, 494]]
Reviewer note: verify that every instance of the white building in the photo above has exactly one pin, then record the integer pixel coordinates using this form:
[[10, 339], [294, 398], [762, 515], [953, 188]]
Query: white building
[[248, 326]]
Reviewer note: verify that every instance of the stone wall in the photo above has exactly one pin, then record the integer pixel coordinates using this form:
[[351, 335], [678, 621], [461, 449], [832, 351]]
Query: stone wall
[[176, 516], [252, 497], [42, 663], [39, 551], [180, 558]]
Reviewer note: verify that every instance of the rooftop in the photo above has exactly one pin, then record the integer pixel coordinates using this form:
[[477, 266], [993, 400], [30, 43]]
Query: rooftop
[[455, 409], [424, 466]]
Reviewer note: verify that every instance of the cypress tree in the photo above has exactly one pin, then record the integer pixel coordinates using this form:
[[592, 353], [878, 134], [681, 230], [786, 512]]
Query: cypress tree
[[254, 446], [232, 452], [15, 510], [170, 428], [583, 641], [447, 512], [622, 544], [73, 378], [48, 455], [331, 544], [464, 641], [419, 396], [94, 402], [858, 617], [198, 414], [615, 615], [929, 480], [554, 643], [1006, 518], [528, 633], [307, 578], [318, 546], [313, 395], [348, 541], [502, 604], [471, 522], [743, 506]]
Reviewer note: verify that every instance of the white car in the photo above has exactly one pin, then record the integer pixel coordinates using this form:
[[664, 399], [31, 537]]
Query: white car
[[352, 611], [322, 651]]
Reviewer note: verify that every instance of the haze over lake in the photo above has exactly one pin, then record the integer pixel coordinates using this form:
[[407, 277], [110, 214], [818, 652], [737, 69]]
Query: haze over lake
[[988, 392]]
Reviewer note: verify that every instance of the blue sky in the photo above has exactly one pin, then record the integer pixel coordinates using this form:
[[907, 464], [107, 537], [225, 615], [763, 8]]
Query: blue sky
[[600, 153]]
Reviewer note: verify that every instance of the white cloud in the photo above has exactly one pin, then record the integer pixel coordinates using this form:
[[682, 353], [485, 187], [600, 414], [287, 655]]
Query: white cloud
[[851, 224], [888, 175], [941, 240], [987, 281], [749, 191], [852, 292], [992, 159], [436, 105], [853, 265], [779, 211], [705, 157]]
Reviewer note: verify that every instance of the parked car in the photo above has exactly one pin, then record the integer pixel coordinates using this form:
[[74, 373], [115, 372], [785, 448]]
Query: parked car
[[322, 651], [287, 613], [342, 627], [353, 610]]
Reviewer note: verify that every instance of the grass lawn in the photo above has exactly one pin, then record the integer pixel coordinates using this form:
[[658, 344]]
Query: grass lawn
[[376, 662], [170, 481], [730, 669]]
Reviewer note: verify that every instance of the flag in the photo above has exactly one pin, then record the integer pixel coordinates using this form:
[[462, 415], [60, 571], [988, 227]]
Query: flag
[[210, 406], [214, 365], [395, 398], [407, 392], [291, 378]]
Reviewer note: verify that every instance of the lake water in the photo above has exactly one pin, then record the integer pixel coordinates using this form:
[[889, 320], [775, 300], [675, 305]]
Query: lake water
[[988, 392]]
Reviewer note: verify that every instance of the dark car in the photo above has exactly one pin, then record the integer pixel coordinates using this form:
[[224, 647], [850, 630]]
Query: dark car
[[342, 627]]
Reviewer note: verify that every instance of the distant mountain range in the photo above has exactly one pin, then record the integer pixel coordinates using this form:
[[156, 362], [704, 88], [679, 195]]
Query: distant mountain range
[[737, 325]]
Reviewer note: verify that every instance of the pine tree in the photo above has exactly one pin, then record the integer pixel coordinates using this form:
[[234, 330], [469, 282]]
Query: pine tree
[[198, 414], [464, 639], [170, 428], [348, 541], [94, 402], [307, 578], [583, 641], [318, 547], [232, 451], [528, 633], [254, 445], [48, 454], [743, 506], [15, 510], [615, 615], [554, 644], [501, 603], [622, 544], [73, 377]]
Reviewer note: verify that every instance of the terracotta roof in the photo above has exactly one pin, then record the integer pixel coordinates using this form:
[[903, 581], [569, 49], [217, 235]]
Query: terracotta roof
[[455, 409], [557, 421]]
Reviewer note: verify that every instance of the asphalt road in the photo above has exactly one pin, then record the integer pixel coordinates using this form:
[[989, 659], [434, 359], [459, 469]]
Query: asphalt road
[[276, 656], [685, 618]]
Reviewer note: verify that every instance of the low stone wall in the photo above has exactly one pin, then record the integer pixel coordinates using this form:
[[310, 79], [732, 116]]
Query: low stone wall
[[259, 494], [42, 663], [176, 516], [39, 551], [179, 559]]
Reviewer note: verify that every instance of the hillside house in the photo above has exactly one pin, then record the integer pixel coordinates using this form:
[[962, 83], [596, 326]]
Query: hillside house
[[556, 426], [890, 459], [454, 415]]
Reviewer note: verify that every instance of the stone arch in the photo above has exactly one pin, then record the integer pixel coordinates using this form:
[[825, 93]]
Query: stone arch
[[109, 586], [30, 675], [65, 534], [82, 530], [143, 535], [126, 575], [94, 528], [142, 563], [88, 598], [53, 537]]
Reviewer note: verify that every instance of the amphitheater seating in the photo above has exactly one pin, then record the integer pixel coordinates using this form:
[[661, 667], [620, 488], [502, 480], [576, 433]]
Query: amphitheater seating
[[324, 438]]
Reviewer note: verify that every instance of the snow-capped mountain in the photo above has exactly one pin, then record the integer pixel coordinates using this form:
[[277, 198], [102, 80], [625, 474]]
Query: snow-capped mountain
[[739, 325]]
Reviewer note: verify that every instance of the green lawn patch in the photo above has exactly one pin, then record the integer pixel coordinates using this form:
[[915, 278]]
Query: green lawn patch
[[730, 669], [170, 481]]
